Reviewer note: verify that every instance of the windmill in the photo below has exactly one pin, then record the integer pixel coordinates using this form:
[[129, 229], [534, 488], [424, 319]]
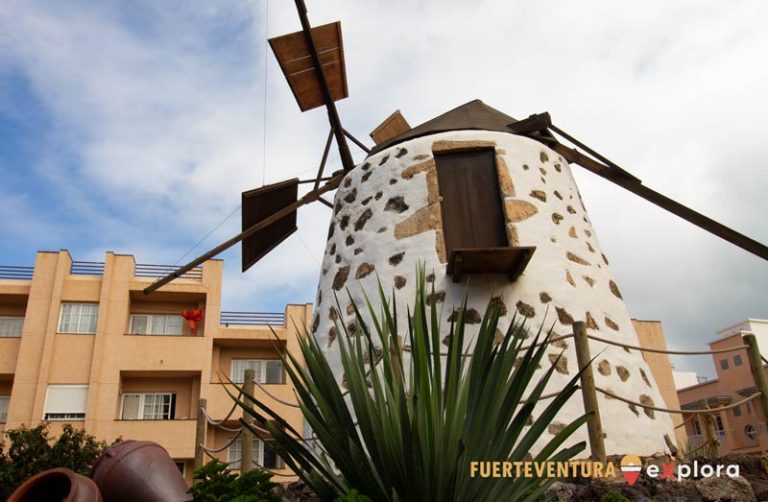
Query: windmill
[[487, 202]]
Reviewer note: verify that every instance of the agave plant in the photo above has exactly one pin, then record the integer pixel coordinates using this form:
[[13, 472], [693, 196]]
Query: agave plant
[[408, 425]]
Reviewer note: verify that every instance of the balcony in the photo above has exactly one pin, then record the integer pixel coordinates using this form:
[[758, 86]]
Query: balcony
[[158, 271], [233, 318], [17, 273], [87, 268]]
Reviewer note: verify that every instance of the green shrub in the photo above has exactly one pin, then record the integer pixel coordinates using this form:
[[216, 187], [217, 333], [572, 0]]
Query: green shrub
[[215, 483], [408, 430]]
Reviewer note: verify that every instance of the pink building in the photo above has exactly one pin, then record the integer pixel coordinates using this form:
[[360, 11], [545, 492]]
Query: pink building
[[741, 429]]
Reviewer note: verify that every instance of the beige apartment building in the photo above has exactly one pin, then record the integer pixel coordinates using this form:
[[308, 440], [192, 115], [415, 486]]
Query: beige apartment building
[[81, 343], [741, 429]]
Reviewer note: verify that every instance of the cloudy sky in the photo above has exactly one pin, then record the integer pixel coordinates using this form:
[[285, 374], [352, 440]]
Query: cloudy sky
[[134, 126]]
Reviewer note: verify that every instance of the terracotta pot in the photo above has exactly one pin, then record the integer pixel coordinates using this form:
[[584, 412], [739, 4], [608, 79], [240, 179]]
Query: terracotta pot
[[133, 471], [57, 485]]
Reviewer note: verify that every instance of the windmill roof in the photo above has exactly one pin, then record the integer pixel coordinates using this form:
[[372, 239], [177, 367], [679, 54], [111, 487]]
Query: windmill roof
[[472, 115]]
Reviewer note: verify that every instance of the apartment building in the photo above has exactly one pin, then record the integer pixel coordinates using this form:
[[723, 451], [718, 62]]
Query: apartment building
[[81, 343], [741, 429]]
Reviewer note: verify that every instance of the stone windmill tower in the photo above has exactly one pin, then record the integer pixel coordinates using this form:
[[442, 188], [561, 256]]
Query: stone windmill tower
[[489, 205], [490, 213]]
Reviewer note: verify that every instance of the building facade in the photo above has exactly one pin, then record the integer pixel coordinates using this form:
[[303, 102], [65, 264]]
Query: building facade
[[741, 429], [81, 343]]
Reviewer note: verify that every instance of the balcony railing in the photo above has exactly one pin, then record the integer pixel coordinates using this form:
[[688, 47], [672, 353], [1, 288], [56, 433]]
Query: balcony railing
[[231, 318], [155, 271], [87, 268], [11, 272]]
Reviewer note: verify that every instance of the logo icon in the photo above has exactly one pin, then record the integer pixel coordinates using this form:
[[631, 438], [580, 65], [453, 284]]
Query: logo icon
[[630, 468]]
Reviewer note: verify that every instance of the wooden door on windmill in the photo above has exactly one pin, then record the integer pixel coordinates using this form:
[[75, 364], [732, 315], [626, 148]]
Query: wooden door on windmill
[[471, 200]]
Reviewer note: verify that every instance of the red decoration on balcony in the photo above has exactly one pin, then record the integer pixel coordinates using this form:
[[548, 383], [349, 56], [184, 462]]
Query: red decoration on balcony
[[194, 317]]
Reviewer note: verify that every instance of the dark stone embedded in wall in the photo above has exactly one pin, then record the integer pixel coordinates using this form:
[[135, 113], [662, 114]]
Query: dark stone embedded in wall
[[358, 251], [315, 323], [609, 322], [614, 289], [555, 428], [587, 233], [543, 156], [497, 303], [378, 195], [576, 258], [525, 167], [351, 196], [633, 409], [364, 269], [572, 232], [544, 297], [543, 180], [591, 324], [560, 344], [471, 316], [588, 280], [558, 168], [560, 362], [525, 309], [529, 420], [347, 182], [591, 249], [430, 278], [623, 373], [647, 401], [421, 156], [344, 222], [384, 159], [338, 258], [563, 316], [569, 278], [395, 259], [378, 355], [605, 259], [436, 297], [557, 194], [401, 152], [604, 368], [538, 194], [350, 309], [366, 176], [382, 230], [331, 336], [392, 181], [363, 219], [365, 166], [396, 204], [325, 270], [333, 314], [333, 249], [341, 277], [331, 229], [349, 240], [557, 218], [400, 281], [543, 171], [644, 377], [571, 209]]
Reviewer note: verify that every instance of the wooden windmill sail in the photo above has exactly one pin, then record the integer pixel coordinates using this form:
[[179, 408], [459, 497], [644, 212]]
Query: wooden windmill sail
[[312, 61]]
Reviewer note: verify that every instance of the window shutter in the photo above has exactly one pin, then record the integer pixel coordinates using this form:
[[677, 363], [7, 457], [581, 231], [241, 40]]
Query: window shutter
[[131, 406], [274, 371], [66, 399], [139, 324], [11, 326]]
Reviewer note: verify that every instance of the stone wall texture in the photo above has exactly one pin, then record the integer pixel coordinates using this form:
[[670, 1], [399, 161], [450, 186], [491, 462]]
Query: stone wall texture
[[387, 221]]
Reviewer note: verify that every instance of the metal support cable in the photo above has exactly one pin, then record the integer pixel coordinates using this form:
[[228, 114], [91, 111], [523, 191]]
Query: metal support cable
[[692, 417], [407, 348], [265, 391], [227, 445], [658, 351], [671, 410], [216, 423]]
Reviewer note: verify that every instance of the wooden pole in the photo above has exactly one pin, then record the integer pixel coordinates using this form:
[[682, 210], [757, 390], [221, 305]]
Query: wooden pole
[[758, 375], [202, 427], [709, 431], [594, 425], [246, 452]]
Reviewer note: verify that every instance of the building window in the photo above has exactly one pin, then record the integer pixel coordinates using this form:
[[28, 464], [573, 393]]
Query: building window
[[265, 370], [750, 432], [66, 402], [11, 326], [180, 465], [263, 455], [4, 401], [719, 424], [749, 408], [155, 324], [78, 317], [737, 411], [724, 363], [697, 427], [737, 360], [148, 406]]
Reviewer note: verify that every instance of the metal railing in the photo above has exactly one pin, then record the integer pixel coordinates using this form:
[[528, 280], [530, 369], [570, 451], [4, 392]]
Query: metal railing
[[11, 272], [232, 318], [87, 268], [154, 271]]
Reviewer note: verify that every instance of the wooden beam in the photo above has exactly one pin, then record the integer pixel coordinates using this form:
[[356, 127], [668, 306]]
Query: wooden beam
[[333, 114], [306, 199], [634, 185], [324, 159]]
